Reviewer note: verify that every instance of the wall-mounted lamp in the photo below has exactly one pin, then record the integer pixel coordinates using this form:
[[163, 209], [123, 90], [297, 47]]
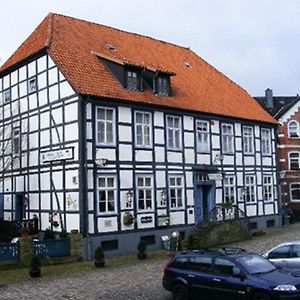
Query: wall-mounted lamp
[[101, 162], [163, 197], [129, 198]]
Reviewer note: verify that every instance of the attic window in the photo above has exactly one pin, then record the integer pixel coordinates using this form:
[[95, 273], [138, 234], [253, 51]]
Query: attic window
[[187, 64], [110, 47], [131, 80], [162, 85]]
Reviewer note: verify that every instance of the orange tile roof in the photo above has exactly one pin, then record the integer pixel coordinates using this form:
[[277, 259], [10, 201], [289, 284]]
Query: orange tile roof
[[75, 45]]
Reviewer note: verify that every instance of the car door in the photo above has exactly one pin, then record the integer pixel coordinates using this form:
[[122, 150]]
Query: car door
[[294, 261], [280, 255]]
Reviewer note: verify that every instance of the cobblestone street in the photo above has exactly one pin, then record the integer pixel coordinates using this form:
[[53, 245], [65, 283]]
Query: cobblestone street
[[128, 282]]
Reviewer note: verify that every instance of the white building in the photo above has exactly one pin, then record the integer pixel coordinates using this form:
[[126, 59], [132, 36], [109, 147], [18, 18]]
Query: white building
[[106, 124]]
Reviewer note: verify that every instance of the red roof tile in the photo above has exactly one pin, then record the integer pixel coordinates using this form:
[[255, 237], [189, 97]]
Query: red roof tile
[[75, 45]]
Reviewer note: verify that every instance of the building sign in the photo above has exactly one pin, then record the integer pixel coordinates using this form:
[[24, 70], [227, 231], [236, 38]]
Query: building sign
[[215, 176], [147, 219], [57, 155]]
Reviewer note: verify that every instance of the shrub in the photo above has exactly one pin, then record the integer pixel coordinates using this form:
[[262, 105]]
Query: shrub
[[142, 246], [99, 254]]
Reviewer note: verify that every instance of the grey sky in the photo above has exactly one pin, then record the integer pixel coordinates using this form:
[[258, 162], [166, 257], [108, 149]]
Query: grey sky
[[253, 42]]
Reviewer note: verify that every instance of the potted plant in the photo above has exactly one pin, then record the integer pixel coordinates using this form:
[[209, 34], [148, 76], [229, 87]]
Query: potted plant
[[142, 246], [35, 265], [99, 258], [128, 219]]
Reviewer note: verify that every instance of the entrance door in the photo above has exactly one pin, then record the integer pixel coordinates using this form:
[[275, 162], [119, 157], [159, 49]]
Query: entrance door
[[20, 207], [1, 206], [204, 200]]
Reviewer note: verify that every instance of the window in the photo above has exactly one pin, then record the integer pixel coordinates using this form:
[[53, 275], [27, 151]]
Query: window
[[144, 192], [162, 86], [174, 132], [248, 140], [267, 188], [16, 141], [229, 189], [107, 194], [180, 262], [293, 129], [132, 80], [176, 191], [6, 95], [32, 85], [266, 141], [280, 252], [294, 160], [250, 188], [201, 263], [295, 191], [143, 129], [105, 118], [223, 266], [202, 129], [227, 138]]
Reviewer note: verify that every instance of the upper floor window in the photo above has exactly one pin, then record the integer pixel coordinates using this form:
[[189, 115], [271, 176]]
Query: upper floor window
[[267, 188], [106, 194], [143, 129], [6, 95], [293, 129], [176, 191], [266, 141], [132, 80], [250, 188], [248, 140], [202, 128], [16, 141], [162, 86], [295, 191], [294, 160], [229, 189], [174, 132], [144, 193], [32, 85], [105, 126], [227, 138]]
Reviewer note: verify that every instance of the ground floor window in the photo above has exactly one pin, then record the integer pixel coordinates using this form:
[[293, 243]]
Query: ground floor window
[[229, 189], [267, 188], [295, 192], [107, 194], [176, 191], [250, 188], [144, 192]]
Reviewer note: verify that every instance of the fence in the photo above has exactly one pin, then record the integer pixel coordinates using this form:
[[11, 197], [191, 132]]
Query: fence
[[9, 251], [52, 248]]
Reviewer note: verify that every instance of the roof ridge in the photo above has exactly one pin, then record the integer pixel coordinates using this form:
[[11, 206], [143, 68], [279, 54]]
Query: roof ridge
[[50, 29]]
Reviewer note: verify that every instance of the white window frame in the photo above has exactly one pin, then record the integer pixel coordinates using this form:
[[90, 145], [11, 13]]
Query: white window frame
[[295, 132], [176, 201], [248, 139], [229, 189], [227, 138], [268, 188], [106, 123], [291, 191], [106, 189], [203, 142], [295, 159], [144, 127], [266, 141], [250, 189], [132, 80], [172, 132], [144, 188]]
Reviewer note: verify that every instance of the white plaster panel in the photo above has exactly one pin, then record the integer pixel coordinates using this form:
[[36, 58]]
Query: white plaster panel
[[125, 114], [32, 69], [125, 152], [107, 224], [53, 93], [145, 225], [239, 159], [34, 200], [66, 90], [269, 208], [251, 210], [71, 112], [240, 179], [125, 134], [19, 183], [32, 101], [43, 98], [6, 83], [159, 154], [160, 179], [249, 160], [260, 208], [91, 223], [266, 161], [238, 129], [191, 217], [190, 197], [259, 190], [50, 62], [174, 157], [14, 93], [203, 159], [215, 127], [13, 77], [91, 201], [257, 131], [228, 160], [158, 119], [15, 108], [109, 154], [123, 200], [89, 150], [33, 158], [69, 179], [72, 201], [238, 144], [23, 88], [33, 182], [22, 73], [90, 174], [53, 76], [42, 63], [189, 182], [258, 159], [143, 155], [6, 111], [61, 76], [57, 180], [215, 142], [159, 136], [45, 120], [33, 140], [72, 222], [44, 221], [176, 217], [89, 130], [126, 179], [7, 185], [1, 86], [45, 181], [189, 139], [88, 109], [71, 132], [188, 123], [45, 138], [57, 115]]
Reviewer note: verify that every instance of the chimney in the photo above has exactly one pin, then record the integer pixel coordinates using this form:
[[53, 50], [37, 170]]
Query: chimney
[[269, 98]]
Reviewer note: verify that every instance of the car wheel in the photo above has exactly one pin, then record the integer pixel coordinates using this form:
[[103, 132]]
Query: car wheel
[[180, 292], [261, 296]]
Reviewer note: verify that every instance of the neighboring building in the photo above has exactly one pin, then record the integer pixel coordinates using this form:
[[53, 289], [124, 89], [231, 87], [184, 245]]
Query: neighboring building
[[287, 111], [129, 137]]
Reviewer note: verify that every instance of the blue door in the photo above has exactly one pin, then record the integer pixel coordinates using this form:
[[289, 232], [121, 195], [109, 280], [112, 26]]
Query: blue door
[[1, 206]]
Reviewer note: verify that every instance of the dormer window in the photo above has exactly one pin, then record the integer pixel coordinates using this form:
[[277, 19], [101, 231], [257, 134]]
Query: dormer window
[[132, 80], [162, 86]]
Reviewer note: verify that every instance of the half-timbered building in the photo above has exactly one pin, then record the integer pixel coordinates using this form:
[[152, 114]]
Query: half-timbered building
[[125, 137]]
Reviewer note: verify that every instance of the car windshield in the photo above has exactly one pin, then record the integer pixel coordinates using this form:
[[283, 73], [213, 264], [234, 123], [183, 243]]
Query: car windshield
[[255, 264]]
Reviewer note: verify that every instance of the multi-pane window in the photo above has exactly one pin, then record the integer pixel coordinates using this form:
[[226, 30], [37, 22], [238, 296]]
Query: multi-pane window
[[105, 118], [227, 138], [295, 191], [176, 191], [266, 141], [6, 95], [107, 194], [16, 141], [294, 159], [229, 189], [202, 128], [174, 132], [32, 85], [267, 188], [293, 129], [132, 80], [143, 129], [144, 193], [250, 188], [162, 86], [248, 140]]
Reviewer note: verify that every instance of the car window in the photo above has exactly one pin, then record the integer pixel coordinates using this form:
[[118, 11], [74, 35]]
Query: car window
[[200, 263], [180, 262], [280, 252], [223, 266], [296, 251], [255, 264]]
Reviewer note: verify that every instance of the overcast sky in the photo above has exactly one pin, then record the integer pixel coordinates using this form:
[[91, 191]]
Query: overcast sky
[[256, 43]]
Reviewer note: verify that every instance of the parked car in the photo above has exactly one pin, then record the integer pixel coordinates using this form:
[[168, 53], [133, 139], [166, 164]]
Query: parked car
[[229, 273], [285, 255]]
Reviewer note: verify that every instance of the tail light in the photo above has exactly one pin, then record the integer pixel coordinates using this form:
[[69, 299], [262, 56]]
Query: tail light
[[166, 266]]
